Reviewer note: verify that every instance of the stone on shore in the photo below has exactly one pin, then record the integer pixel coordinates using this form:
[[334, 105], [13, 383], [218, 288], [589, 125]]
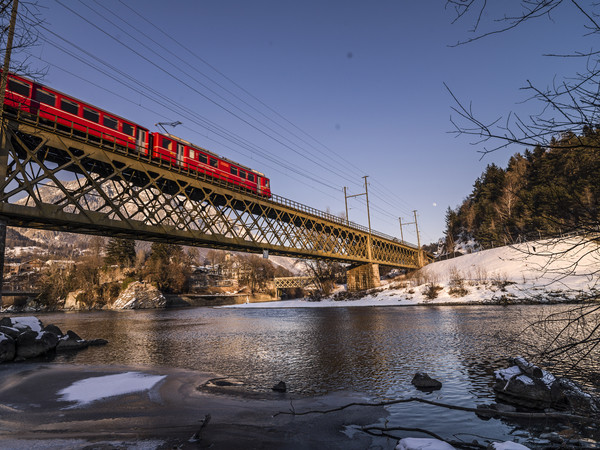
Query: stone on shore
[[31, 344], [71, 341], [7, 348], [25, 337], [140, 295], [516, 385]]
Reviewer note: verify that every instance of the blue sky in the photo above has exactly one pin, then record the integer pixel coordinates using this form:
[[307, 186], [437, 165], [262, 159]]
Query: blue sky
[[320, 92]]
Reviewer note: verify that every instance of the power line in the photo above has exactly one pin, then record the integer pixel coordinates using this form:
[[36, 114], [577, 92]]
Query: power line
[[211, 127], [170, 74]]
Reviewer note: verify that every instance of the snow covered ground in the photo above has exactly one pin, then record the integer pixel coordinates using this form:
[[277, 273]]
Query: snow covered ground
[[549, 270], [84, 392]]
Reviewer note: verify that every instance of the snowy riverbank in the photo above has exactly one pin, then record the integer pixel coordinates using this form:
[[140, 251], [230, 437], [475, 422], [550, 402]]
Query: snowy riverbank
[[540, 271]]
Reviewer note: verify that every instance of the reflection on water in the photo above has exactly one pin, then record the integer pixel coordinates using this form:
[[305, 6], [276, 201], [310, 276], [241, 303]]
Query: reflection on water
[[370, 350], [375, 350]]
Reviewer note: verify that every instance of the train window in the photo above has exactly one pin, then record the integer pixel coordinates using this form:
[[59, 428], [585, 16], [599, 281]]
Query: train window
[[109, 122], [70, 107], [251, 177], [242, 174], [166, 143], [202, 158], [192, 154], [90, 114], [213, 162], [18, 87], [234, 171], [127, 129], [45, 97], [266, 182]]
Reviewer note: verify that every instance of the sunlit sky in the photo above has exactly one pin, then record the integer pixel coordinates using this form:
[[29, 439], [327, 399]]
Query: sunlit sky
[[315, 94]]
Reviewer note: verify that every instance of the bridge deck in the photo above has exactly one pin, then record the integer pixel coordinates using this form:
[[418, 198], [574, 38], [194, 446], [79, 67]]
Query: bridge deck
[[55, 180]]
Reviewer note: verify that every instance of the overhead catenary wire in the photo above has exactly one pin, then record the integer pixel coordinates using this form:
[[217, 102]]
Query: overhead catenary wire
[[156, 95], [381, 195], [191, 87], [242, 89]]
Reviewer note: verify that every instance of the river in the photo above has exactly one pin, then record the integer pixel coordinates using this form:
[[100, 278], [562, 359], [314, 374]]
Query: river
[[374, 350]]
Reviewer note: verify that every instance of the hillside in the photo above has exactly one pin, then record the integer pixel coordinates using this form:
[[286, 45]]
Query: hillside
[[538, 271], [543, 193]]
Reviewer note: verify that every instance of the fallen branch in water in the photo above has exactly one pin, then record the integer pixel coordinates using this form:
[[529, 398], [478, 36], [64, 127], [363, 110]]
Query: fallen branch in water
[[488, 412]]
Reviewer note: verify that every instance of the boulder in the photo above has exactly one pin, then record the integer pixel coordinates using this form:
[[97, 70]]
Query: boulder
[[72, 335], [7, 348], [10, 331], [280, 387], [423, 381], [31, 344], [26, 323], [520, 386], [72, 301], [53, 329], [67, 343], [140, 295]]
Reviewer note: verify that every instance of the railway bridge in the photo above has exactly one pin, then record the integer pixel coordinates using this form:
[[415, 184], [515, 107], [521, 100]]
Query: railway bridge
[[53, 178]]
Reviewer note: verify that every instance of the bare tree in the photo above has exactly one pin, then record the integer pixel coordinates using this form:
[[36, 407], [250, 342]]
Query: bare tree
[[26, 36], [568, 106], [567, 118], [326, 275]]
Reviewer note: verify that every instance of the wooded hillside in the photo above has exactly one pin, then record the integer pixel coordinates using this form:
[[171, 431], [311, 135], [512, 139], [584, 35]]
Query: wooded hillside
[[541, 193]]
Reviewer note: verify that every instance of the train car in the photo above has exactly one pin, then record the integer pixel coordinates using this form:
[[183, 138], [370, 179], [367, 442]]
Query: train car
[[180, 153], [72, 115]]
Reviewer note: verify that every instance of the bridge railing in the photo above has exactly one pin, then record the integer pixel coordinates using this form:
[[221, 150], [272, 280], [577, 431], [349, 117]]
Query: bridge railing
[[111, 143]]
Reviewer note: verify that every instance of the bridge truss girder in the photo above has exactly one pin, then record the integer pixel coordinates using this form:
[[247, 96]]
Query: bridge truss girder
[[110, 191]]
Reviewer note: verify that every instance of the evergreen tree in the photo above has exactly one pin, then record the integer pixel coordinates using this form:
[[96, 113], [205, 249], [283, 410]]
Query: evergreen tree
[[542, 193], [120, 251], [168, 266]]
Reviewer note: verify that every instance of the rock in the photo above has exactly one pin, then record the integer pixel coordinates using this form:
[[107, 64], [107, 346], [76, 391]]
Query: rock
[[552, 437], [31, 344], [422, 380], [140, 295], [280, 387], [27, 323], [10, 331], [71, 341], [53, 329], [97, 342], [514, 386], [7, 348], [73, 335], [73, 300], [578, 400], [527, 368], [6, 322]]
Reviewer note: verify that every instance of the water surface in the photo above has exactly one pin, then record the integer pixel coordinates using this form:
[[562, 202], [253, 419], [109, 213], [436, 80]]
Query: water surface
[[371, 350]]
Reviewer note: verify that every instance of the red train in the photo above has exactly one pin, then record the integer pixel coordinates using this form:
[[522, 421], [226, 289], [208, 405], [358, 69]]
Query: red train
[[88, 121]]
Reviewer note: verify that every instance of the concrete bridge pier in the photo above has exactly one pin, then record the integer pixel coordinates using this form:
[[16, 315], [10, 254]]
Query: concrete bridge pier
[[365, 276]]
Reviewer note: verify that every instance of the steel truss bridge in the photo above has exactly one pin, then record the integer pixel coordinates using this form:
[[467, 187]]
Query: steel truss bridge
[[55, 178]]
